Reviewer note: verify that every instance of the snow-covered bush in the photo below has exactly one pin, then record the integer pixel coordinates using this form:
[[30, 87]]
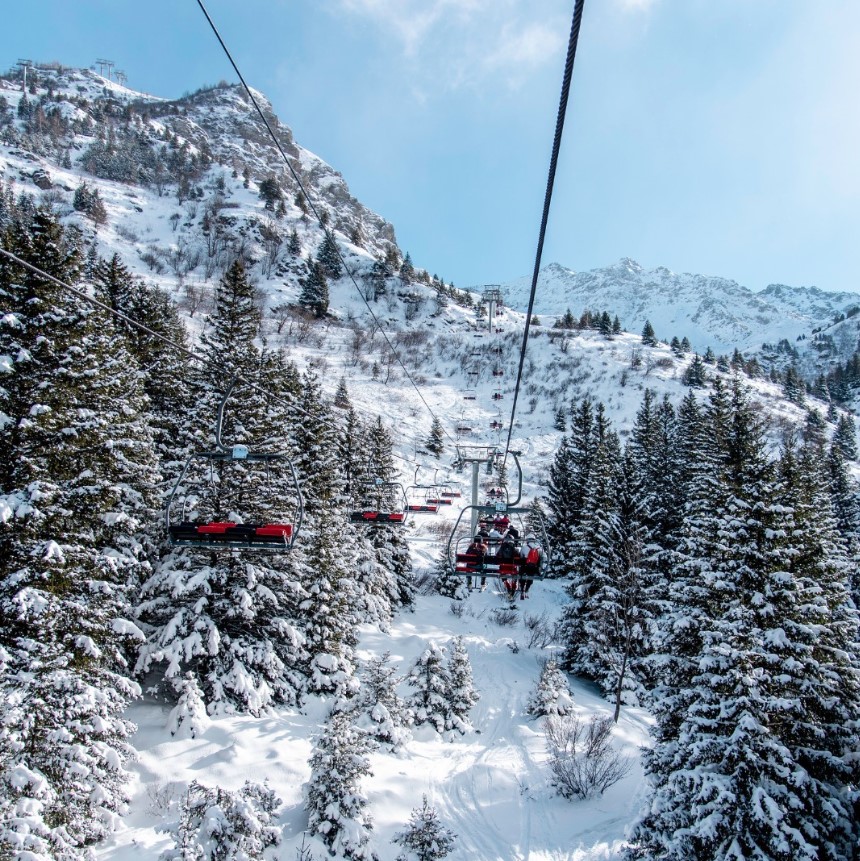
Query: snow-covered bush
[[581, 759], [216, 824], [188, 718], [382, 713], [335, 803], [444, 694], [425, 838], [551, 695], [430, 679], [462, 694]]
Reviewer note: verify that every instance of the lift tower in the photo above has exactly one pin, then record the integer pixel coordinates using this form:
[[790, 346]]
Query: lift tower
[[476, 455], [492, 295]]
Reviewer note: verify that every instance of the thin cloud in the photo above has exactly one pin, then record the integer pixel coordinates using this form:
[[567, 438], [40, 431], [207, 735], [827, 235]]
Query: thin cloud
[[458, 43], [637, 5]]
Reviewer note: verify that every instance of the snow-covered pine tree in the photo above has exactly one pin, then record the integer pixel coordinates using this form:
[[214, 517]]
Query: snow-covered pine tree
[[435, 442], [568, 478], [188, 717], [166, 378], [341, 396], [77, 480], [448, 583], [845, 437], [757, 669], [604, 627], [461, 688], [218, 824], [328, 612], [314, 293], [846, 510], [229, 617], [383, 713], [394, 580], [407, 270], [393, 554], [328, 256], [649, 339], [425, 837], [430, 678], [335, 803], [316, 447], [551, 694], [354, 463], [655, 481]]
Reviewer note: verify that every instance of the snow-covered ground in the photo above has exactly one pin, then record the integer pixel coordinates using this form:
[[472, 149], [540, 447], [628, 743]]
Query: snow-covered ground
[[490, 786]]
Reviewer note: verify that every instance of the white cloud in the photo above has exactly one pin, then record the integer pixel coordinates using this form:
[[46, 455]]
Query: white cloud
[[458, 43], [637, 5]]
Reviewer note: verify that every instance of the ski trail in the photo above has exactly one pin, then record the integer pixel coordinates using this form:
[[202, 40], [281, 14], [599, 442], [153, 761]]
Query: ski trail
[[488, 802]]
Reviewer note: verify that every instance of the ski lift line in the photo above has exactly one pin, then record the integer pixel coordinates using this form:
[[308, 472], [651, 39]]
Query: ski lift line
[[188, 354], [322, 224], [553, 163]]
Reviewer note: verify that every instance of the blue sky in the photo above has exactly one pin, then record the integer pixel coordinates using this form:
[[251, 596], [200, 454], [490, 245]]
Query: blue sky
[[719, 137]]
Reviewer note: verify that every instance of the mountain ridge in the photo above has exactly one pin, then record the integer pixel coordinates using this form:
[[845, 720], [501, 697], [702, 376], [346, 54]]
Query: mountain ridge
[[710, 311]]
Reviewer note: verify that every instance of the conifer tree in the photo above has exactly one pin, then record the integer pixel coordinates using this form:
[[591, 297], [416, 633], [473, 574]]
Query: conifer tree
[[188, 717], [448, 583], [846, 511], [314, 293], [649, 339], [657, 484], [407, 270], [568, 478], [793, 387], [378, 280], [393, 554], [605, 626], [384, 714], [461, 692], [435, 442], [229, 618], [845, 437], [77, 480], [756, 663], [316, 448], [429, 676], [341, 396], [354, 462], [551, 695], [328, 257], [329, 611], [425, 837], [694, 374], [217, 823], [335, 803], [167, 380]]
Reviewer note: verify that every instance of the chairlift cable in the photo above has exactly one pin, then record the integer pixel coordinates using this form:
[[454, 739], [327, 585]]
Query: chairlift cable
[[190, 355], [556, 145], [322, 224]]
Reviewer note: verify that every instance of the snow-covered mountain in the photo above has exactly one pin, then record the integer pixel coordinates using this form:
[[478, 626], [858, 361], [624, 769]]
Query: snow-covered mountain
[[710, 311]]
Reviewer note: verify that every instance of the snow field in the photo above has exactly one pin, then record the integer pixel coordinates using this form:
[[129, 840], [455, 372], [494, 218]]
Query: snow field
[[490, 786]]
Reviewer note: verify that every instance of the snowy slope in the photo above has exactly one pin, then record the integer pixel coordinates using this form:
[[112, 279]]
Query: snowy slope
[[490, 786]]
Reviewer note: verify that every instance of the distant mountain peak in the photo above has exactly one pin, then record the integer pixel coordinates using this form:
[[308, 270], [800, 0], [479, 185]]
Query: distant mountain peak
[[710, 311]]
